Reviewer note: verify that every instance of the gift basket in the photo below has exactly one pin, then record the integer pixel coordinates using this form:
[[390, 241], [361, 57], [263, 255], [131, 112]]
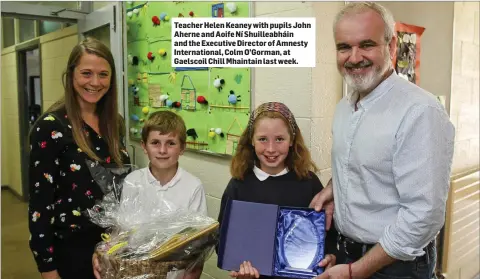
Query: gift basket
[[147, 236]]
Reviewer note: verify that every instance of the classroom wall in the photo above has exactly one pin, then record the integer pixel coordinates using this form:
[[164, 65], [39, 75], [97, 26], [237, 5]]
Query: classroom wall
[[461, 245]]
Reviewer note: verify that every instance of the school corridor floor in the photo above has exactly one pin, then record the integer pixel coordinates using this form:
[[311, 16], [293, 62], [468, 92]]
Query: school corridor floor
[[17, 260]]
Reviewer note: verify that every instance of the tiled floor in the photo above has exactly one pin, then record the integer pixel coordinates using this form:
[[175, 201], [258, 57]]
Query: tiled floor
[[17, 260]]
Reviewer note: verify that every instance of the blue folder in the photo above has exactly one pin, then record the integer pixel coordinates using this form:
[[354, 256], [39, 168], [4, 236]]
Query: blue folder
[[278, 241]]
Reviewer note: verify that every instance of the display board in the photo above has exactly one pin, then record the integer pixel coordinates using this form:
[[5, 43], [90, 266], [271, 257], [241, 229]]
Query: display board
[[406, 60], [214, 102]]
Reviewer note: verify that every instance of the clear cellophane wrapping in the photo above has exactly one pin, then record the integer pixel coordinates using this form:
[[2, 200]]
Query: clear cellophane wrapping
[[147, 236]]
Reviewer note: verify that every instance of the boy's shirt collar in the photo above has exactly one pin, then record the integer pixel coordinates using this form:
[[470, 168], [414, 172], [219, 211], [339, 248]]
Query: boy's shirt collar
[[153, 181], [261, 175]]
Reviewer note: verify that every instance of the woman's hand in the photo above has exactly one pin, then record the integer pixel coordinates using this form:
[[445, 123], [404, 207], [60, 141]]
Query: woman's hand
[[51, 275], [96, 266], [329, 261], [247, 271]]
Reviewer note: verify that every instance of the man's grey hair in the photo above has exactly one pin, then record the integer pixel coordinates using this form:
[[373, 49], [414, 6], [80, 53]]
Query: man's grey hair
[[360, 7]]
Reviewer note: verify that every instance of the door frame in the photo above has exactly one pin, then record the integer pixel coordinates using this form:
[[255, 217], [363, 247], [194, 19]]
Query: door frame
[[43, 12], [23, 121]]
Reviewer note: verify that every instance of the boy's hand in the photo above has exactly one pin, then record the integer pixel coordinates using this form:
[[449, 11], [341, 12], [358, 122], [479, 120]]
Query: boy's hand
[[247, 271], [195, 273], [329, 261], [96, 266]]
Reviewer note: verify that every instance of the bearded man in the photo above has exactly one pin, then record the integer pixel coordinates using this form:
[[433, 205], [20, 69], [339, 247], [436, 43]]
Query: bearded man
[[391, 157]]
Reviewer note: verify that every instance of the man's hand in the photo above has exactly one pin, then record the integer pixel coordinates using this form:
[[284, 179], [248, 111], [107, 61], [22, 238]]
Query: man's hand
[[51, 275], [324, 200], [337, 272], [328, 262]]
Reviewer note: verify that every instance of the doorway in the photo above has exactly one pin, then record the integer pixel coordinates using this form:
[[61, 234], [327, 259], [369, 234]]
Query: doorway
[[29, 102]]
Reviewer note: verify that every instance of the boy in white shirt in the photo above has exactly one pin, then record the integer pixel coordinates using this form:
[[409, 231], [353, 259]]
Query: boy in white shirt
[[163, 141]]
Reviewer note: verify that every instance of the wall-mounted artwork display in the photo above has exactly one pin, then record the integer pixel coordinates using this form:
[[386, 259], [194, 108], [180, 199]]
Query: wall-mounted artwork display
[[407, 58], [214, 102]]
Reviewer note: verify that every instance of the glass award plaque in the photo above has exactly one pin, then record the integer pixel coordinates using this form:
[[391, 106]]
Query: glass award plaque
[[280, 241], [300, 243]]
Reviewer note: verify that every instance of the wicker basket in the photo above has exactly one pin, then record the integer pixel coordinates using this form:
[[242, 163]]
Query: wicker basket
[[170, 257], [115, 268]]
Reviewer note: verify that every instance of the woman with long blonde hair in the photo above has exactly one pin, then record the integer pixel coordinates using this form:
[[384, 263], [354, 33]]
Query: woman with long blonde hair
[[82, 128]]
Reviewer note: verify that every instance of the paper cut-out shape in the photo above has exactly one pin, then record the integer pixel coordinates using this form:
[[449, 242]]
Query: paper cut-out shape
[[238, 78], [154, 94], [233, 139], [217, 10], [189, 94], [172, 77]]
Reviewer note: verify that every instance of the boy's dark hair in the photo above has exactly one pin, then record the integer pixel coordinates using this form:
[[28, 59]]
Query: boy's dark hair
[[165, 122]]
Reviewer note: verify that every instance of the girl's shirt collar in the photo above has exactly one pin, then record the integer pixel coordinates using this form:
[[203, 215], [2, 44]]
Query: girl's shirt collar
[[261, 175]]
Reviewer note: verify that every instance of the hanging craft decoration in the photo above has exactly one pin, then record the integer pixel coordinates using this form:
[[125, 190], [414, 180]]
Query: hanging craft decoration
[[212, 134], [214, 120], [406, 60], [135, 61], [162, 52], [232, 98], [202, 100], [232, 7], [155, 20], [150, 56], [218, 83]]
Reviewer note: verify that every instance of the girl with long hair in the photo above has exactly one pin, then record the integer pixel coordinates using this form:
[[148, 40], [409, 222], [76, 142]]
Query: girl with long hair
[[272, 165]]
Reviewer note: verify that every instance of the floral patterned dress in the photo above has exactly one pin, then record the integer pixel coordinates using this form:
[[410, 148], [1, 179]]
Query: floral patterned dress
[[61, 188]]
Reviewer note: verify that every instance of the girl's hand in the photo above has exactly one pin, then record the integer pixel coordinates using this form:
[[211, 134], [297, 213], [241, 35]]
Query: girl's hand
[[328, 262], [51, 275], [247, 271], [96, 266]]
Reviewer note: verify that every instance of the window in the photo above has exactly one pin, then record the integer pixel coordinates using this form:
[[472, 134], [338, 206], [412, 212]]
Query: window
[[8, 31], [49, 26], [27, 29]]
